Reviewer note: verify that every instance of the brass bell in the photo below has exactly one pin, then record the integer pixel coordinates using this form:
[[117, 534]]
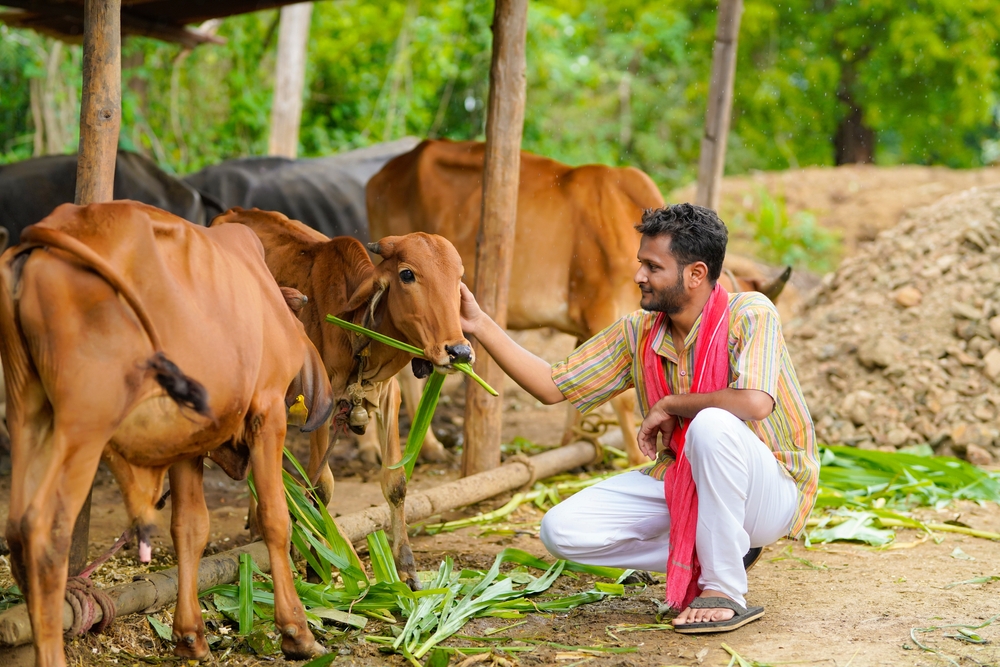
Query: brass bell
[[358, 416]]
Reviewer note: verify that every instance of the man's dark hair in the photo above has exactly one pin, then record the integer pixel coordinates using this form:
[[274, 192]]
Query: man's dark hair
[[696, 234]]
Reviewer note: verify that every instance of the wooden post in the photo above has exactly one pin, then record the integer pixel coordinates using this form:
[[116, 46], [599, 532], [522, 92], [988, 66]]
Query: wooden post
[[100, 121], [495, 243], [289, 80], [720, 105], [101, 106]]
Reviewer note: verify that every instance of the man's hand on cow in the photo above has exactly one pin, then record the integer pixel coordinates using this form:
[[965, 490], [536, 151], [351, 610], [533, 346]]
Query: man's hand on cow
[[658, 420], [471, 314]]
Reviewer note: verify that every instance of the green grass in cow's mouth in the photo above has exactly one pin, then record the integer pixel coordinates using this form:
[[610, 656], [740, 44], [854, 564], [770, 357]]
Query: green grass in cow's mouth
[[406, 347]]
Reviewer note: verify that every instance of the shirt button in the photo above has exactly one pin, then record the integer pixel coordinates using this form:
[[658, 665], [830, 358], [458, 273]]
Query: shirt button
[[683, 373]]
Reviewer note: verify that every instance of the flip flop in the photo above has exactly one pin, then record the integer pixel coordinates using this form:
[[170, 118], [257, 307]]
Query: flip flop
[[741, 618], [751, 557]]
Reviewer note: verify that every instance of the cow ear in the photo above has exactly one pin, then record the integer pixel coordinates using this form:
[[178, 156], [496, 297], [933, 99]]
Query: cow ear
[[368, 293], [361, 294]]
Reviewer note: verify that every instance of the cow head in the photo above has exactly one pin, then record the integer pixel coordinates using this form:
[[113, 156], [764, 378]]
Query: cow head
[[417, 287]]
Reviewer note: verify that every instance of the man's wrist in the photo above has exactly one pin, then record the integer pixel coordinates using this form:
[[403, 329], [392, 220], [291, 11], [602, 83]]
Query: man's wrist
[[480, 324]]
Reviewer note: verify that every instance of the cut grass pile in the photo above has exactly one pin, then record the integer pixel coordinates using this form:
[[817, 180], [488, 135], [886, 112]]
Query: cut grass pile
[[411, 623]]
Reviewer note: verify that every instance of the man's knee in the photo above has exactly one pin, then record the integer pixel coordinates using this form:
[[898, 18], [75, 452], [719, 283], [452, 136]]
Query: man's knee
[[552, 532], [707, 431]]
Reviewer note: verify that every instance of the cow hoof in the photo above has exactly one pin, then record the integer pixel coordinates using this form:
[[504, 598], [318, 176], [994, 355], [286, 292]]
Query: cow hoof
[[434, 452], [302, 648], [369, 457], [191, 646]]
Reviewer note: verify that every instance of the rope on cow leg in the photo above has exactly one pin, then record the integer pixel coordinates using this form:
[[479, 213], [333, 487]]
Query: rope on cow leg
[[84, 598]]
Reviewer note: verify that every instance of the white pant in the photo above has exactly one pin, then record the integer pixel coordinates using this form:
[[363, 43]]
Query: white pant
[[745, 499]]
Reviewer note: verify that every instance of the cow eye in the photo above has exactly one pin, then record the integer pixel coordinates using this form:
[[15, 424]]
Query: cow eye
[[407, 276]]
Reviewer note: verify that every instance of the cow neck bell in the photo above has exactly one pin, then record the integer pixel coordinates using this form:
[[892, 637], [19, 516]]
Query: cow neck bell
[[359, 416]]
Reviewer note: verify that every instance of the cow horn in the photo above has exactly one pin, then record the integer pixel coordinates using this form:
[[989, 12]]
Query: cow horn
[[773, 289], [374, 248]]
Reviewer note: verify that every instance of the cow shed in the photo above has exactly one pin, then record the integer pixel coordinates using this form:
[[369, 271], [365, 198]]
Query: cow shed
[[100, 25]]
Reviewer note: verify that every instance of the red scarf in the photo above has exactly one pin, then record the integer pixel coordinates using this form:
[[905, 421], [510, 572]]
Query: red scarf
[[710, 373]]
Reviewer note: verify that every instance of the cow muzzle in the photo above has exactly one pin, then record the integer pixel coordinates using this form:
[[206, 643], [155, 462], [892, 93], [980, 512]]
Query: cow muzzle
[[460, 353]]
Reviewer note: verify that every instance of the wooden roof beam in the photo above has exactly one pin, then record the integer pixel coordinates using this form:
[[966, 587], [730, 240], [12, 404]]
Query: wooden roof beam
[[68, 27]]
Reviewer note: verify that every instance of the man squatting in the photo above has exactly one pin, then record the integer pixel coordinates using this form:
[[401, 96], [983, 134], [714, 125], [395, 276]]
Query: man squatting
[[715, 381]]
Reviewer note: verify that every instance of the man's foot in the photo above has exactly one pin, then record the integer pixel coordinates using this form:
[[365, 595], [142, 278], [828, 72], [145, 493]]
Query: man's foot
[[714, 612], [751, 557], [707, 615]]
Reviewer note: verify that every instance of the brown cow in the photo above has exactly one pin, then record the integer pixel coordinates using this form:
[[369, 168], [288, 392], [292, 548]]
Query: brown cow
[[575, 243], [412, 295], [92, 302]]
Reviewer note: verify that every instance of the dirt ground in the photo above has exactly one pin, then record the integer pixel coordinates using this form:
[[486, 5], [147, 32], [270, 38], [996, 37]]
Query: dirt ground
[[838, 605]]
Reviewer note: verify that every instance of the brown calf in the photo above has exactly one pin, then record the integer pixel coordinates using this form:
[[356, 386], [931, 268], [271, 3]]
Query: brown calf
[[99, 308], [412, 295]]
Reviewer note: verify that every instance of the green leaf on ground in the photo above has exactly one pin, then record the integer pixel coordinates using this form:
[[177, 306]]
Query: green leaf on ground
[[961, 555], [162, 630]]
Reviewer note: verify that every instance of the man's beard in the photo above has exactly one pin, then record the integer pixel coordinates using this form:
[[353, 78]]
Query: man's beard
[[670, 301]]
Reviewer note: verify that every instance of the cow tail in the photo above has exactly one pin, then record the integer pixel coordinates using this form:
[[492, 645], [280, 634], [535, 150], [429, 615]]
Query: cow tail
[[184, 390]]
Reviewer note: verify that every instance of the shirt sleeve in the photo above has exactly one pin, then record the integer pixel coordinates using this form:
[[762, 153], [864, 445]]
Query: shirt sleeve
[[598, 370], [758, 349]]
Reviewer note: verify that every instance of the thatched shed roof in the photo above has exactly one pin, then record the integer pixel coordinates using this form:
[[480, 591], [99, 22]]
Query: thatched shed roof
[[162, 19]]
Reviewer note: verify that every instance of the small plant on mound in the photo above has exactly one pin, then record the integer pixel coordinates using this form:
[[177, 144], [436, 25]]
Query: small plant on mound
[[782, 238]]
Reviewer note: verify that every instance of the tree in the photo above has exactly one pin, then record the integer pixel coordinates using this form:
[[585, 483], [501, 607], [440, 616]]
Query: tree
[[893, 81]]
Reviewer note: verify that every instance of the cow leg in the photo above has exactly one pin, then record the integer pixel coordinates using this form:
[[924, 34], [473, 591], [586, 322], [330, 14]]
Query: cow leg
[[369, 447], [319, 443], [141, 489], [48, 489], [189, 525], [267, 432], [624, 406], [412, 389], [394, 485], [573, 421]]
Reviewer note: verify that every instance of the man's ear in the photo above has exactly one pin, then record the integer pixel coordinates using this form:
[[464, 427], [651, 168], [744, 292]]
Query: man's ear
[[697, 273]]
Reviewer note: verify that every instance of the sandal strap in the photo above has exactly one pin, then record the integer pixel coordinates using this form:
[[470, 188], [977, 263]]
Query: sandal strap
[[717, 603]]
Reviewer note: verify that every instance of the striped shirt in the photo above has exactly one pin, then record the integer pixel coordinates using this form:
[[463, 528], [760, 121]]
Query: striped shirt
[[610, 362]]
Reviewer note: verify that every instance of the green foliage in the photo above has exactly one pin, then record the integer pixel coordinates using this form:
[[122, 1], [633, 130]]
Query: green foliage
[[923, 73], [784, 239], [859, 477], [620, 82], [449, 599], [10, 596]]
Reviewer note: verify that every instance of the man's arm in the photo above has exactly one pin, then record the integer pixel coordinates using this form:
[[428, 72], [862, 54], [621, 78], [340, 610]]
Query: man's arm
[[533, 373], [747, 404]]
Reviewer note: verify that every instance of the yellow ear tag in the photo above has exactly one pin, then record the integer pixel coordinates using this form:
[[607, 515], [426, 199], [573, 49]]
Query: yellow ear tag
[[298, 413]]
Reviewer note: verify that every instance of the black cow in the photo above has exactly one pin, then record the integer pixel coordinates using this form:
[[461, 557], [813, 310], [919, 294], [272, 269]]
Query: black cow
[[29, 190], [326, 193]]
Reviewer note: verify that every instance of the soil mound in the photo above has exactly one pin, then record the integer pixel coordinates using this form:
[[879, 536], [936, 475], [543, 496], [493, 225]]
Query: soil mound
[[901, 345]]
